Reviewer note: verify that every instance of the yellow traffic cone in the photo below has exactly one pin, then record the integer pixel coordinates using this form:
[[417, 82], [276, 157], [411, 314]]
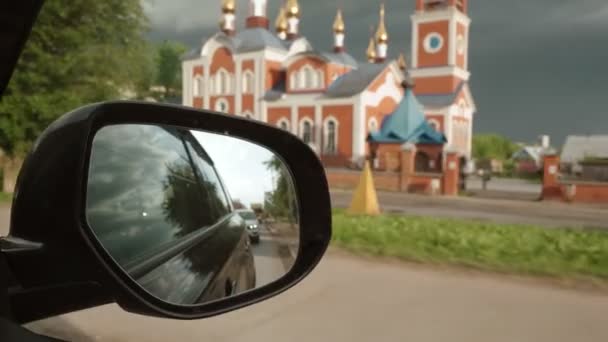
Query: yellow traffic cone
[[365, 200]]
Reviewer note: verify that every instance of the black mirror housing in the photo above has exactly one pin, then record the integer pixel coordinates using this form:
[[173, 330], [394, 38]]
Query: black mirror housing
[[59, 265]]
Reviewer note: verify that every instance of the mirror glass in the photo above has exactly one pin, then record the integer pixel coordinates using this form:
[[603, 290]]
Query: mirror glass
[[191, 216]]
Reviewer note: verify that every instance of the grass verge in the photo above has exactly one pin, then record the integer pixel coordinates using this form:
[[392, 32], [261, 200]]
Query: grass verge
[[5, 198], [529, 250]]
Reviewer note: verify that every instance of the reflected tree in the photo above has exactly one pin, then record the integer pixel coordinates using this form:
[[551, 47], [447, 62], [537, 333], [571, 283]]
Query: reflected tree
[[237, 204], [281, 202], [190, 203]]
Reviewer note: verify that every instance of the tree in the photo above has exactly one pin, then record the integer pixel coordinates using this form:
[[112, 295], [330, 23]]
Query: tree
[[237, 204], [168, 63], [282, 201], [78, 52], [493, 146]]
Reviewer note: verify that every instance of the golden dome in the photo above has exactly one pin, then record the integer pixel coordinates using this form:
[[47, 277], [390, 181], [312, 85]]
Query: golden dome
[[228, 6], [339, 26], [293, 8], [381, 34], [371, 50], [281, 22], [402, 62]]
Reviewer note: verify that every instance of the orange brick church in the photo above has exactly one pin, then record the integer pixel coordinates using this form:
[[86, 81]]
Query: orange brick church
[[345, 108]]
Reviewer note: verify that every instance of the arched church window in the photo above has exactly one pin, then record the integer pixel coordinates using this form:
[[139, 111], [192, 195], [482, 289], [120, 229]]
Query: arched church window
[[302, 79], [331, 137], [283, 124], [311, 79], [196, 90], [307, 131], [293, 81], [212, 85], [435, 125], [219, 84], [223, 83], [248, 82], [320, 79]]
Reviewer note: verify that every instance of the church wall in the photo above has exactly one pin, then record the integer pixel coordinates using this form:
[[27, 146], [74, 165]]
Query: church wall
[[222, 58], [276, 114], [436, 85], [247, 103], [334, 70], [438, 120]]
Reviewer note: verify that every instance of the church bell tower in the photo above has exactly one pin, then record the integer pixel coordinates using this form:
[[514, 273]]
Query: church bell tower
[[440, 45]]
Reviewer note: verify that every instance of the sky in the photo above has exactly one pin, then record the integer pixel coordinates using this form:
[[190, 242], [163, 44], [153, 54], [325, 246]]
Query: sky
[[537, 67], [241, 166]]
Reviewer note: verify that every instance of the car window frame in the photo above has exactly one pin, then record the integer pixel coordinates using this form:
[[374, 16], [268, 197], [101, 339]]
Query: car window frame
[[200, 151]]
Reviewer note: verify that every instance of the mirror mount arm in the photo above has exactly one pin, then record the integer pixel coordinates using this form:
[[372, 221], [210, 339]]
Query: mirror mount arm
[[11, 244]]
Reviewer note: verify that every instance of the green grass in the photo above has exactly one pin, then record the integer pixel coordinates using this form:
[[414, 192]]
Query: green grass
[[5, 198], [516, 249]]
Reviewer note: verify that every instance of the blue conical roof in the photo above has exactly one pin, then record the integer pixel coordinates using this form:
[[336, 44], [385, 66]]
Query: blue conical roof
[[407, 124]]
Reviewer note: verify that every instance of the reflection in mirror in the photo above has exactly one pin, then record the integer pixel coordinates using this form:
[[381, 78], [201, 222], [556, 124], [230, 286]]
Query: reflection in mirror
[[191, 216]]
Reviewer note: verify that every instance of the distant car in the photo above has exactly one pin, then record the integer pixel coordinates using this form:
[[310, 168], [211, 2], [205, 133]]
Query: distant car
[[253, 225]]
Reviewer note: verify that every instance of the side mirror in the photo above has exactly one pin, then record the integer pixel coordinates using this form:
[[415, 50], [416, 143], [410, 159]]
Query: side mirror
[[168, 211]]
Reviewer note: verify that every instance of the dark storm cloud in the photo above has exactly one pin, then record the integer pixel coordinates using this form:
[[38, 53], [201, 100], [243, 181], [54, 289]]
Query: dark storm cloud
[[537, 66]]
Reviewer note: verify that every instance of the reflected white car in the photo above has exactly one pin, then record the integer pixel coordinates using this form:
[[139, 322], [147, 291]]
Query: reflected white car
[[253, 225]]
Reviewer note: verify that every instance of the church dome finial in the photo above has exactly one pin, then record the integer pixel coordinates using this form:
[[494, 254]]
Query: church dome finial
[[228, 6], [293, 8], [339, 26], [381, 34], [227, 20], [371, 51], [281, 22]]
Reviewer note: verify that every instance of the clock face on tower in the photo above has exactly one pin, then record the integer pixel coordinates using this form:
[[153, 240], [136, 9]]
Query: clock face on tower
[[433, 42]]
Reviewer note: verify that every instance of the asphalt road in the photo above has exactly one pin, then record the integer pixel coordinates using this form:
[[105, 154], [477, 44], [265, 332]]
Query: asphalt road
[[550, 214], [505, 185], [358, 300]]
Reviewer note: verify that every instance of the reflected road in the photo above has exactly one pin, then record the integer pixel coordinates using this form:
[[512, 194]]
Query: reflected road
[[269, 263]]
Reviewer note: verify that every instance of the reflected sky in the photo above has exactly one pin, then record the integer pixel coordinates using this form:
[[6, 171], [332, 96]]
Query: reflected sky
[[125, 188], [241, 166]]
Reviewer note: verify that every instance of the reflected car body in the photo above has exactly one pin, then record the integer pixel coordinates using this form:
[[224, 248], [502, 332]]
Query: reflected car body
[[252, 223], [158, 206]]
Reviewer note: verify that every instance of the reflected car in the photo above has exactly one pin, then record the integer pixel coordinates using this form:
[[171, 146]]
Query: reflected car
[[173, 231], [253, 224]]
